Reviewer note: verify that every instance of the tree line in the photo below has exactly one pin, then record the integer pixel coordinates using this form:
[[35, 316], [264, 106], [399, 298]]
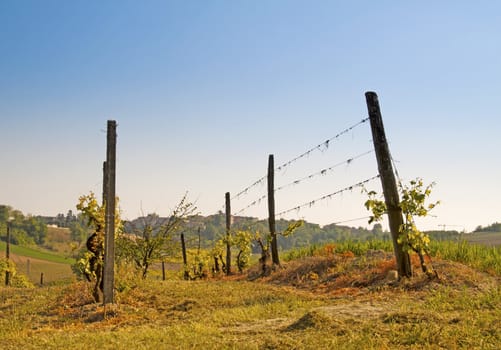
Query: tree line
[[210, 229], [24, 229]]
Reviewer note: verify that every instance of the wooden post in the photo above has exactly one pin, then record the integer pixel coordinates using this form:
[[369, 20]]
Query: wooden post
[[185, 260], [7, 242], [7, 254], [271, 210], [388, 182], [41, 278], [109, 244], [105, 183], [163, 270], [228, 233]]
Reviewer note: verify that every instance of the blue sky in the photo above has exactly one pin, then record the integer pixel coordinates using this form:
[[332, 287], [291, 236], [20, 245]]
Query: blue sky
[[203, 91]]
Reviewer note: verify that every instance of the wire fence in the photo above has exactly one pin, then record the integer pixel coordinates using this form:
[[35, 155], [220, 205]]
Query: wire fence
[[311, 177]]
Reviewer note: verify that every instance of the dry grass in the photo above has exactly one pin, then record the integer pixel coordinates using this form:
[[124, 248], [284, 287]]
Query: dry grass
[[333, 301]]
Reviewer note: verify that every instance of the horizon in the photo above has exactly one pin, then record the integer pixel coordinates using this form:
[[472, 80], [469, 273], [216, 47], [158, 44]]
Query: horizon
[[203, 92]]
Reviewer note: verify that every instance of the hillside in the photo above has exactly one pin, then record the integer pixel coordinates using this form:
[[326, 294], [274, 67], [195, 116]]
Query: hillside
[[33, 261], [330, 301]]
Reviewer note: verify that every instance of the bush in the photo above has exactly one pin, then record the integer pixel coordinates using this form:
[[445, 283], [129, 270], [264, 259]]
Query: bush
[[16, 279]]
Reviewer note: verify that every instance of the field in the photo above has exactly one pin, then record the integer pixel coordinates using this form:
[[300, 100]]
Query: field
[[485, 238], [324, 299], [33, 262]]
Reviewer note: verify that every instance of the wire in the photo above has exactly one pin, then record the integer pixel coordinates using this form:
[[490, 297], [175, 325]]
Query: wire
[[328, 196], [323, 145], [323, 171], [351, 220]]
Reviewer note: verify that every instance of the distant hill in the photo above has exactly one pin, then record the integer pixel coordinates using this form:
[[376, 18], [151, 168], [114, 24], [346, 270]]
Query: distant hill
[[213, 227]]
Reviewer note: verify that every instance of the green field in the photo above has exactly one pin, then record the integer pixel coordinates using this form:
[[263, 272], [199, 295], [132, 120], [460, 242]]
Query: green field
[[36, 253]]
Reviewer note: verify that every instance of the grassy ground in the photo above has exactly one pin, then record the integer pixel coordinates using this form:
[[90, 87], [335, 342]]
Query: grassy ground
[[329, 301]]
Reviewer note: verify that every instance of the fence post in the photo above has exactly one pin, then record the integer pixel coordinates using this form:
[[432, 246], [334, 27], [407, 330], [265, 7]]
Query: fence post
[[228, 233], [185, 259], [163, 270], [7, 253], [105, 183], [41, 278], [271, 210], [109, 244], [388, 182]]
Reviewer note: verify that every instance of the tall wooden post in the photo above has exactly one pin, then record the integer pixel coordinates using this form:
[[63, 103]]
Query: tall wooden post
[[7, 243], [228, 233], [388, 182], [271, 210], [109, 244], [7, 253], [105, 183]]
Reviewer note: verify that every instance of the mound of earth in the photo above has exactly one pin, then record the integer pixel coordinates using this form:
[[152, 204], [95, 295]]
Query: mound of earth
[[347, 274]]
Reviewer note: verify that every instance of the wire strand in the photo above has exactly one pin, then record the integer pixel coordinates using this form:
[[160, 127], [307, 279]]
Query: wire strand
[[324, 145], [328, 196]]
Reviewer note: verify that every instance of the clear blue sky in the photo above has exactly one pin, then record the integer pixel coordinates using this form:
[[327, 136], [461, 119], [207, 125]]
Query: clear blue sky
[[203, 91]]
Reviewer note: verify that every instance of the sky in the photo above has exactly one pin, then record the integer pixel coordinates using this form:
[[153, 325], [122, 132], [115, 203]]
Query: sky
[[204, 91]]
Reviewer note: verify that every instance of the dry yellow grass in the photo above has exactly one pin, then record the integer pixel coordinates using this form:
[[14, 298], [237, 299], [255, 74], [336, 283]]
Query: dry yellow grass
[[335, 301]]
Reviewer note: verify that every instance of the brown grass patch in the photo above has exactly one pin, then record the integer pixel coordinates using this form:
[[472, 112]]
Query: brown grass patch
[[345, 274]]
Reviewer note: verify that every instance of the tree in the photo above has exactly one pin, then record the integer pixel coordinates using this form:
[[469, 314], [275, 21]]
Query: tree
[[377, 230], [155, 239], [79, 229], [35, 227]]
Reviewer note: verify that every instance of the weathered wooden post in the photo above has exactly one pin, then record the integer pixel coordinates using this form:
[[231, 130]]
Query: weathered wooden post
[[388, 183], [228, 233], [185, 259], [271, 210], [41, 278], [7, 242], [7, 253], [163, 270], [109, 244], [105, 183]]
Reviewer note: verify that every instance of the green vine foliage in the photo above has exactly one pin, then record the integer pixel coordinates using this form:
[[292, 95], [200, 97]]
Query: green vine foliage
[[17, 280], [413, 204], [95, 214]]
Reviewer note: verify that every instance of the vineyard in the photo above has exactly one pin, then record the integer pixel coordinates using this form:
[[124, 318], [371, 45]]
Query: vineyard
[[334, 296], [144, 285]]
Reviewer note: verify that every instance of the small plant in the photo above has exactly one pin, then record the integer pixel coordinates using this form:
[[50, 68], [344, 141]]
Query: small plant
[[17, 280], [264, 245], [154, 240], [243, 241], [413, 203], [90, 261]]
